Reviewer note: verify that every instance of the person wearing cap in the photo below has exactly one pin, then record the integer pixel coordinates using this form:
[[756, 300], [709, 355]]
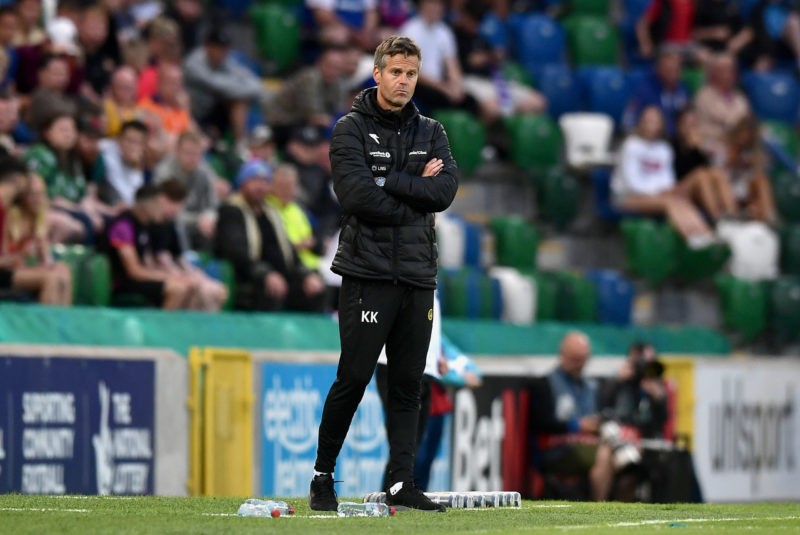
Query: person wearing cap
[[261, 145], [220, 89], [251, 235], [392, 171]]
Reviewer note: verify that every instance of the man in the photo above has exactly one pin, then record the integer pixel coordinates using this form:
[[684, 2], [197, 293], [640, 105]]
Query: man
[[298, 227], [664, 89], [120, 106], [261, 145], [392, 169], [124, 164], [564, 416], [50, 96], [170, 102], [250, 233], [132, 257]]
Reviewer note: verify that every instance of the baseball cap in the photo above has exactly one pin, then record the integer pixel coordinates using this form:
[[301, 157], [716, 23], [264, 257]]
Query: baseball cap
[[253, 169], [308, 135], [63, 35], [261, 134]]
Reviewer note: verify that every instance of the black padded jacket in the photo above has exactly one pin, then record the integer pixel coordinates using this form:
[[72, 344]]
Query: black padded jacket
[[387, 232]]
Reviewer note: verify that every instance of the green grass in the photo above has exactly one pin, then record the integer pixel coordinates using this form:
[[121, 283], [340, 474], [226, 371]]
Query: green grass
[[81, 515]]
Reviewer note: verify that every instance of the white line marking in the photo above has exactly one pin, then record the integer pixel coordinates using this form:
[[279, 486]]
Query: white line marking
[[220, 514], [674, 521], [44, 510]]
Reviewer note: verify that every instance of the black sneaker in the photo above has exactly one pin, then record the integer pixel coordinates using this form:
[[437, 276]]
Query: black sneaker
[[407, 494], [322, 496]]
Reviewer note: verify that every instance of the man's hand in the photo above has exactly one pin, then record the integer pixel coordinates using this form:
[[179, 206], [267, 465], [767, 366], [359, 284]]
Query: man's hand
[[313, 285], [653, 387], [275, 285], [433, 167], [589, 424]]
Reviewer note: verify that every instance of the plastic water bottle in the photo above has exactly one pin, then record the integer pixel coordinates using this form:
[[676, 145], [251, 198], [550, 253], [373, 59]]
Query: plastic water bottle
[[264, 508], [364, 509]]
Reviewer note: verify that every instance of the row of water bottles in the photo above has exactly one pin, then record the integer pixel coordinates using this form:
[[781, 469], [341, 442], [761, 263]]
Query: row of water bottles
[[463, 500], [275, 508]]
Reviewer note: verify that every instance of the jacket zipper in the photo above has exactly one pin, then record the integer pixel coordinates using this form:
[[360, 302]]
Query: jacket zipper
[[395, 233]]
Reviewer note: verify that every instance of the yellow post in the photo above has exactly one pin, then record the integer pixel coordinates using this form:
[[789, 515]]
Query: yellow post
[[680, 371]]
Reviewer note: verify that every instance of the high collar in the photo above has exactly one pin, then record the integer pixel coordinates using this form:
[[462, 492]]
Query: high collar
[[367, 102]]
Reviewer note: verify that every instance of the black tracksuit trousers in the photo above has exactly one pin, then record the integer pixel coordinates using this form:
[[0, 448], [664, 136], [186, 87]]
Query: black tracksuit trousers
[[371, 314]]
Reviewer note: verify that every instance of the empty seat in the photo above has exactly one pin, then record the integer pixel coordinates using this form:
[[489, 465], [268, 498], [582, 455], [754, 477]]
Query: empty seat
[[774, 96], [696, 264], [587, 138], [451, 239], [558, 195], [606, 90], [539, 40], [615, 296], [519, 295], [786, 187], [790, 250], [592, 40], [516, 242], [277, 30], [785, 309], [561, 88], [577, 298], [599, 8], [535, 142], [467, 137], [744, 306], [651, 248]]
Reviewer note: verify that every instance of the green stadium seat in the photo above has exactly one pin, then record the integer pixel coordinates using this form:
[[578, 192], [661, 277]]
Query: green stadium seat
[[783, 134], [786, 189], [277, 31], [598, 8], [535, 142], [515, 71], [745, 306], [790, 250], [469, 293], [694, 78], [651, 248], [467, 137], [577, 298], [785, 301], [98, 273], [592, 40], [546, 295], [559, 195], [694, 265], [75, 256], [516, 242]]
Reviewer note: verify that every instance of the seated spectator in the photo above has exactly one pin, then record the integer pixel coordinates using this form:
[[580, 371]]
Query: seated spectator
[[745, 168], [50, 96], [163, 46], [9, 22], [295, 220], [638, 395], [644, 181], [666, 22], [25, 260], [170, 103], [9, 120], [663, 88], [697, 178], [101, 58], [250, 233], [261, 145], [132, 258], [55, 158], [170, 254], [359, 20], [220, 89], [441, 80], [772, 32], [189, 15], [719, 104], [314, 96], [566, 420], [29, 30], [204, 189], [124, 164], [718, 27], [119, 105]]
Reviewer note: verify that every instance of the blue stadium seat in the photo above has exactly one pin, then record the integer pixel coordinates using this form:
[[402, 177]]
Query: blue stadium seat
[[560, 86], [538, 40], [601, 185], [606, 90], [473, 244], [774, 96], [615, 296], [495, 31]]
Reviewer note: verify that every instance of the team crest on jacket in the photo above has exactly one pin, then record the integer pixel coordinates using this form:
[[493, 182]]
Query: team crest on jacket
[[430, 314]]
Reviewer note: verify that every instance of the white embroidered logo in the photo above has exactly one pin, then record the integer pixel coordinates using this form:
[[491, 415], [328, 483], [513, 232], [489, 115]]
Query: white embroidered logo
[[369, 316], [375, 137]]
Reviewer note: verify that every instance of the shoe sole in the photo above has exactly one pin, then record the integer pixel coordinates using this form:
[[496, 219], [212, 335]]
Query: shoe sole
[[400, 508]]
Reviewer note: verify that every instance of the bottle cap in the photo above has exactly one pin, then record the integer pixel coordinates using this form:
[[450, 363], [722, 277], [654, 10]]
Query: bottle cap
[[392, 510], [291, 509], [275, 513]]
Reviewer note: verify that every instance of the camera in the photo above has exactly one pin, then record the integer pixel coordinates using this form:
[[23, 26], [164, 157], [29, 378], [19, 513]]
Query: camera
[[625, 454]]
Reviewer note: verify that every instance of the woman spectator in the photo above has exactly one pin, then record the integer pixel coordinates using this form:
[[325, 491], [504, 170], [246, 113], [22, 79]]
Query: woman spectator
[[744, 166], [697, 179], [56, 159], [644, 181], [25, 240]]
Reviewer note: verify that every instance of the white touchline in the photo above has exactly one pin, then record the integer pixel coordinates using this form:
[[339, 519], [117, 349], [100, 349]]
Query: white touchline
[[44, 510], [672, 521], [219, 514]]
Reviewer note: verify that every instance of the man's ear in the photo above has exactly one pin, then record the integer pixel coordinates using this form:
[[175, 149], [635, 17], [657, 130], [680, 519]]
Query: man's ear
[[376, 75]]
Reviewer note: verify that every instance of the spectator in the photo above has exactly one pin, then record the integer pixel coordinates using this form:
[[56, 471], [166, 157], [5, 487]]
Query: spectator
[[441, 81], [666, 22], [644, 181], [29, 31], [697, 178], [359, 19], [262, 145], [314, 96], [295, 220], [483, 72], [9, 23], [124, 164], [9, 119], [220, 89], [745, 167], [56, 159], [664, 89], [25, 261], [101, 58], [638, 395], [132, 257], [209, 294], [565, 417], [305, 149], [204, 189], [250, 233], [719, 104], [773, 28], [120, 105], [170, 103], [51, 96], [163, 46], [717, 26], [188, 15]]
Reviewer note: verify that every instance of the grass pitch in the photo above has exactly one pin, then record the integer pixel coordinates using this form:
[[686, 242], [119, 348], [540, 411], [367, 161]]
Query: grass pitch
[[89, 514]]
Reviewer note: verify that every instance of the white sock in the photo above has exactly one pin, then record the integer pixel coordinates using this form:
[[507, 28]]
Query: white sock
[[322, 473]]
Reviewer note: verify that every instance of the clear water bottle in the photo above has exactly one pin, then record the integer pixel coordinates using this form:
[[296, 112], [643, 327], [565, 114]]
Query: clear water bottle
[[364, 509], [264, 508]]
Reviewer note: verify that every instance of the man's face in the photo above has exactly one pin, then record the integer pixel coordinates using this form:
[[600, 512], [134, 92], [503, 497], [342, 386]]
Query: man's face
[[55, 75], [123, 86], [255, 190], [132, 143], [9, 114], [189, 155], [8, 27], [574, 354], [168, 209], [170, 83], [216, 54], [669, 69], [396, 81], [431, 11]]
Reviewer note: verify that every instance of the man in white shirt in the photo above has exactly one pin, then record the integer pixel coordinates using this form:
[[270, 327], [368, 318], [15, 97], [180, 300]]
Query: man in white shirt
[[124, 164]]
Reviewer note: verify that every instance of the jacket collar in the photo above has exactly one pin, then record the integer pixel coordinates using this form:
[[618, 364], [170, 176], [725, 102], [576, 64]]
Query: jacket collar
[[366, 102]]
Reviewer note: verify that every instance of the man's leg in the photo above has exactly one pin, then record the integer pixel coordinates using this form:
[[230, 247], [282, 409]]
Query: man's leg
[[367, 311]]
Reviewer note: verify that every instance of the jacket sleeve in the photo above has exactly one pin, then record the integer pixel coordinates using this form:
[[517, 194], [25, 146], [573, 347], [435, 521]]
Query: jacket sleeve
[[543, 410], [354, 184], [231, 243], [431, 193]]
